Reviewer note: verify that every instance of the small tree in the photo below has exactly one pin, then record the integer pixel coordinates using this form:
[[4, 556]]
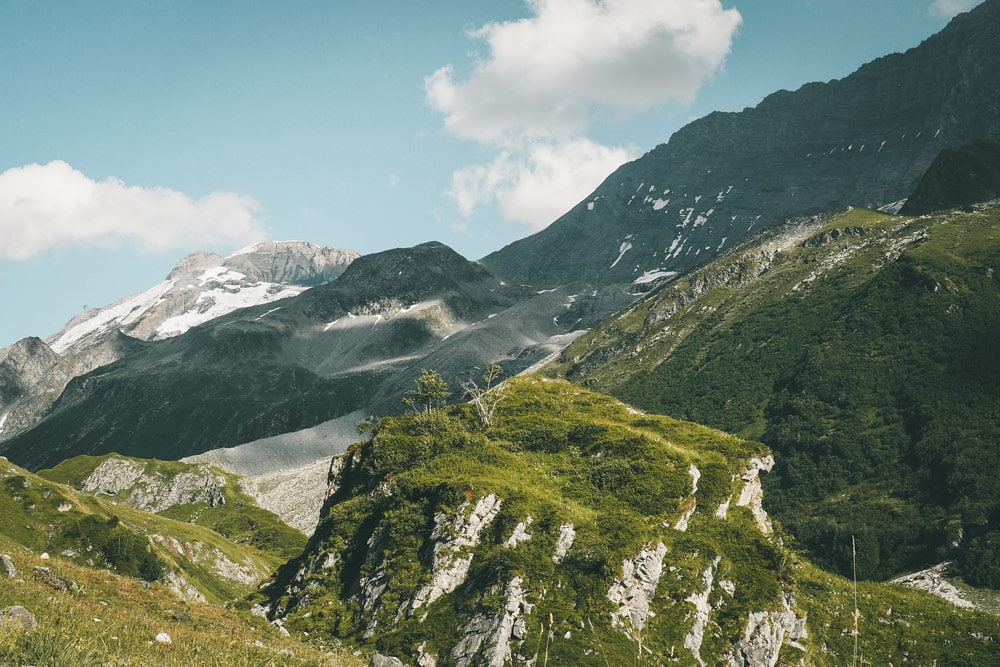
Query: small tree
[[487, 397], [431, 392]]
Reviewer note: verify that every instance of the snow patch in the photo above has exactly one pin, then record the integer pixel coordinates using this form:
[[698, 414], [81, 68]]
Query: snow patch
[[653, 274], [624, 248]]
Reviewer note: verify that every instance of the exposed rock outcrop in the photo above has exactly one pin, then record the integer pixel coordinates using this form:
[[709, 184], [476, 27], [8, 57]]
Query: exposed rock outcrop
[[491, 638], [130, 483], [752, 495], [454, 542], [634, 591], [765, 635]]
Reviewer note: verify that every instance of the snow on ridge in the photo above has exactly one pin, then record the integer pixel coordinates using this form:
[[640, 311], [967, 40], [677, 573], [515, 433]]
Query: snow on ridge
[[125, 312], [625, 247], [221, 301]]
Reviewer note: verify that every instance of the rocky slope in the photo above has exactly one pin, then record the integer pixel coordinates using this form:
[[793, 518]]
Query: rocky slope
[[968, 175], [576, 530], [864, 140], [201, 287], [194, 561], [353, 344], [861, 348]]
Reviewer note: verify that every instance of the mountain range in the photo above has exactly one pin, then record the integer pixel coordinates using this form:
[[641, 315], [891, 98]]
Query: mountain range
[[738, 277], [864, 140]]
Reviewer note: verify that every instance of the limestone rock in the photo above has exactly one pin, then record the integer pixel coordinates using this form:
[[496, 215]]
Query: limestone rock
[[634, 591], [567, 533], [18, 616], [752, 495], [131, 482], [454, 541], [8, 565]]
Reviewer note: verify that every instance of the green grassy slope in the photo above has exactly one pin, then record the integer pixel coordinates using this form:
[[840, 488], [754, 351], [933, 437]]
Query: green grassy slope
[[113, 620], [623, 479], [233, 513], [40, 515], [864, 352]]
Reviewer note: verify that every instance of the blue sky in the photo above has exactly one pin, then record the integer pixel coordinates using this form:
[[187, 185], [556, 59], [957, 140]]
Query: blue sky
[[137, 132]]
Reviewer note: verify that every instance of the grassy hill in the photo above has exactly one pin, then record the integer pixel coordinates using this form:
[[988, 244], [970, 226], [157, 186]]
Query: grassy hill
[[577, 530], [863, 350], [90, 606]]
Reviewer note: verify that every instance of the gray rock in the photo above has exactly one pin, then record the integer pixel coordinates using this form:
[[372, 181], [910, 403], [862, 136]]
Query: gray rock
[[634, 591], [453, 543], [8, 565], [379, 660], [19, 616]]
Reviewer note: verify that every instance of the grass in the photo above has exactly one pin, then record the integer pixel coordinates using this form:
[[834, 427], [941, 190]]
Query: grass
[[113, 620], [864, 354], [561, 454]]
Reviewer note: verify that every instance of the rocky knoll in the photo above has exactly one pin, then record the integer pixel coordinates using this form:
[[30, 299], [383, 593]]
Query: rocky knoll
[[578, 531], [864, 140]]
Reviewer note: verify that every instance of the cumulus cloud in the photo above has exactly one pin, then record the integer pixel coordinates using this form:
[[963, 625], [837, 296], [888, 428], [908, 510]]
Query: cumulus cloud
[[44, 206], [949, 8], [535, 93], [538, 184], [544, 73]]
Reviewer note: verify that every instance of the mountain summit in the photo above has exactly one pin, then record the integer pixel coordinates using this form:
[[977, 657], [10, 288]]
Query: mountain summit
[[864, 140]]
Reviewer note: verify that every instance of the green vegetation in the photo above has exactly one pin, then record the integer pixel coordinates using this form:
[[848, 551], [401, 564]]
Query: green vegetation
[[234, 514], [865, 354], [430, 393], [40, 515], [108, 620], [563, 455]]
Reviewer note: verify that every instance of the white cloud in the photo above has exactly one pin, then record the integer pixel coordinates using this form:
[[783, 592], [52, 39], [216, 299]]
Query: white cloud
[[533, 95], [544, 73], [949, 8], [538, 184], [44, 206]]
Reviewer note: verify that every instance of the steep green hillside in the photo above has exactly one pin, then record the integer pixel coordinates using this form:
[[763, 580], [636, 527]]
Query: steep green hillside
[[192, 493], [864, 351], [576, 530], [196, 562]]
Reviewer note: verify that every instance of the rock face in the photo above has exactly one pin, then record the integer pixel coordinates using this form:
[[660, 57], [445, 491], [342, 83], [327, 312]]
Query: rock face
[[633, 592], [454, 543], [960, 177], [128, 482], [864, 140], [765, 635]]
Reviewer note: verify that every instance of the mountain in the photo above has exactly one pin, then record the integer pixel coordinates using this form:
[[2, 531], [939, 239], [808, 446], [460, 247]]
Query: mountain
[[956, 178], [576, 530], [32, 375], [862, 349], [200, 287], [864, 140], [203, 286], [352, 344]]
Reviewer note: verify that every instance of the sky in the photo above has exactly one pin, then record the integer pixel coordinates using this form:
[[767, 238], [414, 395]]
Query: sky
[[134, 133]]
